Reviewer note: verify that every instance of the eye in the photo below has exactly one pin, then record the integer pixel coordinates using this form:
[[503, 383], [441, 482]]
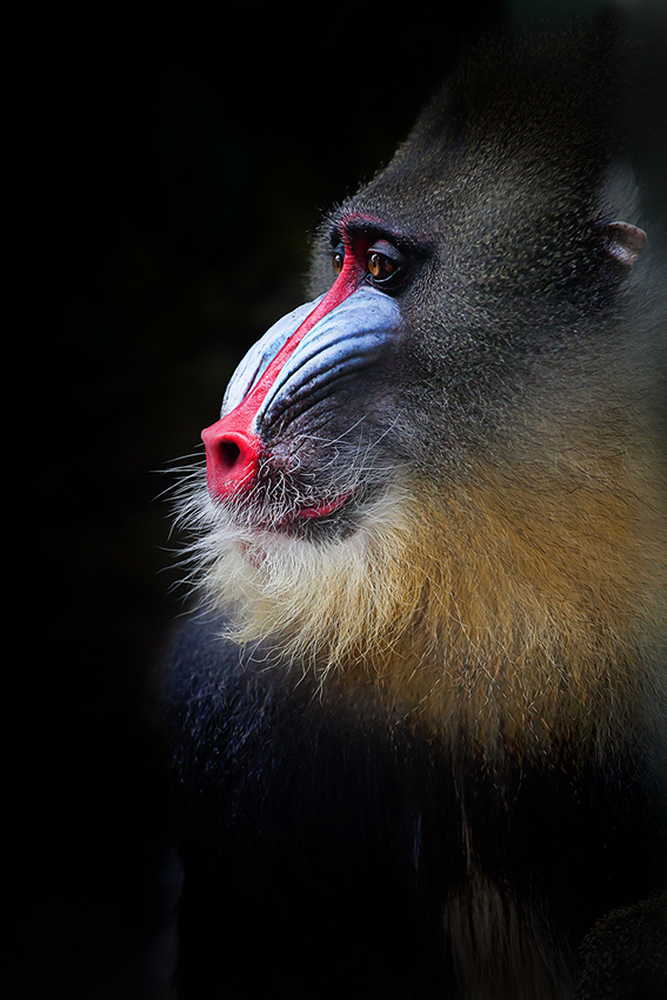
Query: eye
[[338, 257], [384, 263]]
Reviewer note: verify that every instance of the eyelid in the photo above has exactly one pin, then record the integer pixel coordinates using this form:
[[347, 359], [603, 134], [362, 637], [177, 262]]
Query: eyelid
[[387, 250]]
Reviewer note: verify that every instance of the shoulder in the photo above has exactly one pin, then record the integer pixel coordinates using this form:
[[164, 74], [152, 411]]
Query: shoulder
[[202, 660]]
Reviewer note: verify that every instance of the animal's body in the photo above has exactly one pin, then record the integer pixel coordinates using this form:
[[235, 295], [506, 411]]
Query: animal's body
[[419, 721]]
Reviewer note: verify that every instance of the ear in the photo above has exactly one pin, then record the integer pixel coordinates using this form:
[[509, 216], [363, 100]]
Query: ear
[[624, 242]]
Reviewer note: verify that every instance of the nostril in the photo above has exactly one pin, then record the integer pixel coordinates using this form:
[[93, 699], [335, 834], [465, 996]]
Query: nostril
[[228, 455], [232, 456]]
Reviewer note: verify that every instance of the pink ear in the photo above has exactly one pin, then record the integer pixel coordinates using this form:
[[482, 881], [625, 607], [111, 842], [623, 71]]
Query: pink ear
[[626, 242]]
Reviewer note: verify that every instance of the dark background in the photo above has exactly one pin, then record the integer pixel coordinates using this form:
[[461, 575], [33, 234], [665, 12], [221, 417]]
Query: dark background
[[170, 169]]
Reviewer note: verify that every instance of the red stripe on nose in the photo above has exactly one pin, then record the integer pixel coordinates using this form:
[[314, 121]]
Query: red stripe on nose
[[232, 446]]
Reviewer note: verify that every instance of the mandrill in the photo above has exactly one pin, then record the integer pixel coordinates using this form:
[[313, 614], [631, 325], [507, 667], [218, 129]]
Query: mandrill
[[418, 717]]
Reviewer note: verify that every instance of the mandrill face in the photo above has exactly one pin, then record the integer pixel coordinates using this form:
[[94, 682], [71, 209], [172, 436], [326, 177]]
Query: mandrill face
[[433, 335]]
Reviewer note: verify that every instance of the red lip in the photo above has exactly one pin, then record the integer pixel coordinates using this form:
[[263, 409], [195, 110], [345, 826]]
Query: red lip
[[321, 510], [316, 511]]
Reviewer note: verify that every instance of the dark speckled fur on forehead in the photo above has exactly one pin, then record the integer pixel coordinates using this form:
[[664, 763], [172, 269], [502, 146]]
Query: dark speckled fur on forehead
[[547, 104]]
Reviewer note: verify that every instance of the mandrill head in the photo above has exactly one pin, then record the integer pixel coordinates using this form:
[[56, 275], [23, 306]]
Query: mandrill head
[[438, 474]]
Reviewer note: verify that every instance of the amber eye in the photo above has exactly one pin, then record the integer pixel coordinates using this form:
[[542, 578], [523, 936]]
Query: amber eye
[[379, 265], [338, 258], [384, 263]]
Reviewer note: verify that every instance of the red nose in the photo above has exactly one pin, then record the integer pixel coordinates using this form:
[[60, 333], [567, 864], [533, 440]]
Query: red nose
[[232, 454]]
